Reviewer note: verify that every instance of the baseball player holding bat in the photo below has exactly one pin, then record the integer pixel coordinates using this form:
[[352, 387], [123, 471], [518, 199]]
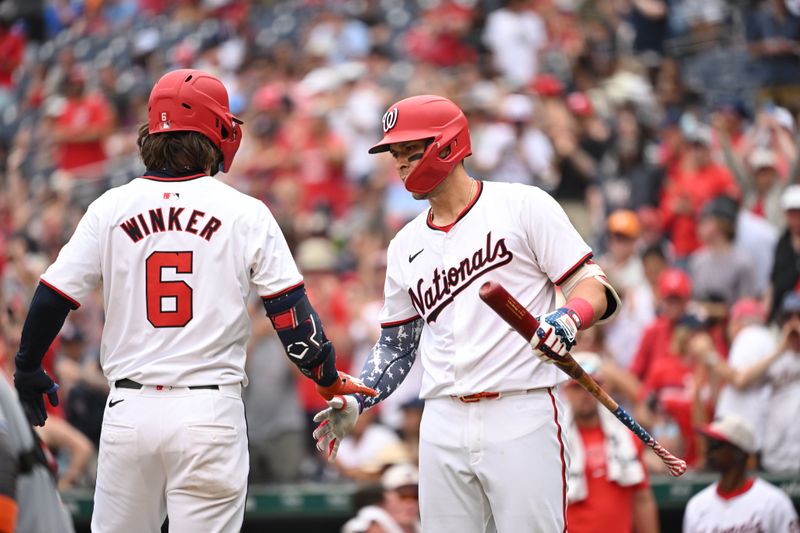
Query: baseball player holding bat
[[177, 253], [492, 450]]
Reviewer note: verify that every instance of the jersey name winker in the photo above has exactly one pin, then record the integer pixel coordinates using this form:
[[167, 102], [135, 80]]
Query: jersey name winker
[[447, 283], [137, 226]]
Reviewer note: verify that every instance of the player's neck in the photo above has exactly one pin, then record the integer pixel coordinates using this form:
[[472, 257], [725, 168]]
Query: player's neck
[[457, 192]]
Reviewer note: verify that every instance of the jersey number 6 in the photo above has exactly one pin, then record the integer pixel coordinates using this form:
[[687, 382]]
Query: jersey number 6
[[169, 303]]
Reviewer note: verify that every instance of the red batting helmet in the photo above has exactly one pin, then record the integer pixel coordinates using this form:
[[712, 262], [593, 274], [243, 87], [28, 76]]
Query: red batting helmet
[[427, 117], [193, 100]]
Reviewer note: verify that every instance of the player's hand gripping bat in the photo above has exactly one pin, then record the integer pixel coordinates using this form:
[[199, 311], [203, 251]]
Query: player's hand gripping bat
[[510, 310]]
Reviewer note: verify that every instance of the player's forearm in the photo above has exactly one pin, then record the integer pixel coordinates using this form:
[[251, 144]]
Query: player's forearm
[[391, 360], [46, 315], [300, 330], [592, 292]]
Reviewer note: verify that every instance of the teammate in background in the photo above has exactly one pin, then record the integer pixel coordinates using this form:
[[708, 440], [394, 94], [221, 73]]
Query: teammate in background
[[177, 252], [492, 451], [29, 499], [737, 502], [608, 486]]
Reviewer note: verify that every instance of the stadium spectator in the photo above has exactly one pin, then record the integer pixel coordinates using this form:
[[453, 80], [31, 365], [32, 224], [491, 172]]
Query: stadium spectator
[[764, 195], [275, 424], [781, 450], [514, 149], [516, 35], [773, 36], [625, 270], [693, 181], [361, 454], [73, 450], [81, 123], [675, 394], [82, 385], [745, 391], [29, 501], [721, 273], [12, 48], [737, 501], [608, 483], [785, 275], [398, 512], [673, 290]]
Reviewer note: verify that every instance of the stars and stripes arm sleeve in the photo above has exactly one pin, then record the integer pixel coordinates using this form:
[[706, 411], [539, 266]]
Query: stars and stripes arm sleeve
[[391, 360]]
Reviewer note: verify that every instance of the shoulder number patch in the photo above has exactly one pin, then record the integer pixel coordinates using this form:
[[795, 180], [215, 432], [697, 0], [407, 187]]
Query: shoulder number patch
[[389, 119]]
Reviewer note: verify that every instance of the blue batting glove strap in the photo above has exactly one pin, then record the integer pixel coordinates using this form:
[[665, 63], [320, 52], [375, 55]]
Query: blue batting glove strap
[[31, 385]]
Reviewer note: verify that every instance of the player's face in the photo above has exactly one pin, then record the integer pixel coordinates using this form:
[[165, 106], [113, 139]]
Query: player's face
[[406, 156]]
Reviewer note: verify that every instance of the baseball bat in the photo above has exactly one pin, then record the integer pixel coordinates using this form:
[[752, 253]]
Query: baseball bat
[[510, 310]]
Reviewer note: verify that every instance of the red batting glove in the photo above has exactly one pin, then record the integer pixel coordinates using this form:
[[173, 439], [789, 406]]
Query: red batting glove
[[345, 384]]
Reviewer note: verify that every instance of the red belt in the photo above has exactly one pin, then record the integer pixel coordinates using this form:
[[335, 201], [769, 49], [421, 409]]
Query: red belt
[[478, 396]]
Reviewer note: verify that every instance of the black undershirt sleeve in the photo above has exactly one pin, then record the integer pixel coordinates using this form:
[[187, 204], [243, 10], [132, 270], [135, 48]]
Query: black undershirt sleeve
[[46, 315]]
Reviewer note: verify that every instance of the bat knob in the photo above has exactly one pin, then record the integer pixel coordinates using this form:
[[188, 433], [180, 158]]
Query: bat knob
[[486, 289]]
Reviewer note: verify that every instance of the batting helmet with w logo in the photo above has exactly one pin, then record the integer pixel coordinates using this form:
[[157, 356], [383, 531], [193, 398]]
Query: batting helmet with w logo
[[434, 119]]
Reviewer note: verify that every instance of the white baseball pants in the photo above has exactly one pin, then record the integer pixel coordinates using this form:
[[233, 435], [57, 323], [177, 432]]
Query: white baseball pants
[[497, 465], [172, 451]]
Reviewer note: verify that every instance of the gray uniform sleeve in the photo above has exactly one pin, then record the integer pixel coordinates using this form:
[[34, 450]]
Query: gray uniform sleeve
[[391, 359]]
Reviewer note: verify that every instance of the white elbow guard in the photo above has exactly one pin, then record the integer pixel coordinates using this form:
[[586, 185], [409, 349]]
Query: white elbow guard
[[593, 270]]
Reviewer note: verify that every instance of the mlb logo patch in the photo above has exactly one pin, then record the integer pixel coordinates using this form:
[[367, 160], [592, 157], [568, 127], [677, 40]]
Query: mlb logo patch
[[171, 196]]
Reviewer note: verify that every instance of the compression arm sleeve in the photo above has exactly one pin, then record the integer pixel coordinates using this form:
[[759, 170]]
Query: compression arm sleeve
[[391, 360], [46, 315], [301, 333]]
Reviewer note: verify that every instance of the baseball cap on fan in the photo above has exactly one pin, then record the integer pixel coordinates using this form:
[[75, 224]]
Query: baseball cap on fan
[[400, 475], [517, 108], [762, 158], [624, 222], [733, 430], [674, 282], [791, 198], [748, 308]]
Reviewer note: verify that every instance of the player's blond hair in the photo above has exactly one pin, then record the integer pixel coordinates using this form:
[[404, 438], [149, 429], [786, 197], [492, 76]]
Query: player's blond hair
[[178, 151]]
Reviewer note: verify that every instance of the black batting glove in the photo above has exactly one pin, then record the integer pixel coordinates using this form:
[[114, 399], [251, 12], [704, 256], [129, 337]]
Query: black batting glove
[[30, 387]]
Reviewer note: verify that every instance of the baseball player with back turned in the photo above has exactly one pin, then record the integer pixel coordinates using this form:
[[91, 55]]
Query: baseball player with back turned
[[177, 252], [492, 451]]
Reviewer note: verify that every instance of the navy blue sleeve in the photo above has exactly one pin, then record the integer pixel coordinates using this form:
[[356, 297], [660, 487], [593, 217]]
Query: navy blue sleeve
[[300, 330], [46, 315], [391, 360]]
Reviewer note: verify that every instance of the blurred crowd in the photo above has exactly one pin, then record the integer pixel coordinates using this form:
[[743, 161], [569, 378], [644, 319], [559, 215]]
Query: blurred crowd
[[667, 129]]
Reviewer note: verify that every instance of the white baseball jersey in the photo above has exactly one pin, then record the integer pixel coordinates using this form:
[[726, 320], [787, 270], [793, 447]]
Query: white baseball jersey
[[762, 507], [514, 234], [177, 258]]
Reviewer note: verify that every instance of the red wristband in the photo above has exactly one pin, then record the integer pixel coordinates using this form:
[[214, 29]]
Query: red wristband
[[583, 309]]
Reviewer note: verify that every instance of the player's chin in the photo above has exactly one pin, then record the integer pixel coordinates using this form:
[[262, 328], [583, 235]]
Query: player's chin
[[420, 195]]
